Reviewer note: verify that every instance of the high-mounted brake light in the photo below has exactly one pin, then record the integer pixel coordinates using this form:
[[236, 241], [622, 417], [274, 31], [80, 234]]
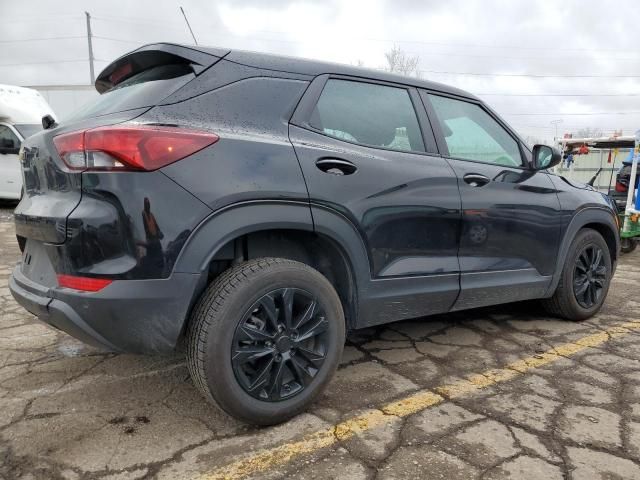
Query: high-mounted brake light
[[85, 284], [129, 147]]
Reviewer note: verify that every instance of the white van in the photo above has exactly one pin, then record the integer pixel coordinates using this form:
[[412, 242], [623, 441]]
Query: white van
[[21, 112]]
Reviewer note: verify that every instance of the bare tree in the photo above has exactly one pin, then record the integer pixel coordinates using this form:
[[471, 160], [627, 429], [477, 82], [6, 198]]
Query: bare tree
[[399, 62], [590, 132]]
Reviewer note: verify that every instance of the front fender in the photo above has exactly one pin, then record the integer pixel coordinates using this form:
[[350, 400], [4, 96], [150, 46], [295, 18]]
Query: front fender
[[587, 216]]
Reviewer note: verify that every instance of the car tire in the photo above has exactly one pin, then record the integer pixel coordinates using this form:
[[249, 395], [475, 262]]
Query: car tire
[[584, 266], [245, 353], [628, 245]]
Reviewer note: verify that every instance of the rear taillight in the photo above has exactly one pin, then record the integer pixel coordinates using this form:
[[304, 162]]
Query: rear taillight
[[85, 284], [621, 187], [129, 147]]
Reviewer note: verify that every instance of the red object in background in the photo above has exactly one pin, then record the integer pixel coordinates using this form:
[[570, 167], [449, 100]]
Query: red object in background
[[620, 187], [609, 158], [583, 150]]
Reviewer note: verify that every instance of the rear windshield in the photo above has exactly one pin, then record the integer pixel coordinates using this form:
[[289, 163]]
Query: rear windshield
[[143, 89]]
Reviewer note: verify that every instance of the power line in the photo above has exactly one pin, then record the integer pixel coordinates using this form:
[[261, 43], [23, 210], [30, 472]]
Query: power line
[[464, 55], [514, 57], [49, 19], [41, 63], [129, 18], [578, 113], [539, 57], [164, 25], [161, 22], [542, 127], [41, 39], [120, 39], [139, 20], [475, 45], [559, 94], [520, 47], [529, 75], [607, 128]]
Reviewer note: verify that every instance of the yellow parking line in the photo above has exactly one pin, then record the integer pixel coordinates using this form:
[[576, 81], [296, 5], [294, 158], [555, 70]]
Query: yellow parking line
[[263, 460]]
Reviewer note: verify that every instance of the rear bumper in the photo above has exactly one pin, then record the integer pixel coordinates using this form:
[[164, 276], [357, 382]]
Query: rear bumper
[[135, 316]]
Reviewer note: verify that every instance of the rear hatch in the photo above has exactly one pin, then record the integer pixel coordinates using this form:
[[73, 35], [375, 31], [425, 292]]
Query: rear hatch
[[128, 87]]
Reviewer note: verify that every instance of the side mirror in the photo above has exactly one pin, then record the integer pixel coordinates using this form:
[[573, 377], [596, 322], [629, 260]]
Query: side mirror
[[545, 157]]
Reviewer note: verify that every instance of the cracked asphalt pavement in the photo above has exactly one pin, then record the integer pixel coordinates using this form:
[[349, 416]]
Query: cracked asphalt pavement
[[502, 392]]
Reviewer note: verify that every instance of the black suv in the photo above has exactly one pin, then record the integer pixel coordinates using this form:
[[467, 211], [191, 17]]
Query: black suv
[[255, 207]]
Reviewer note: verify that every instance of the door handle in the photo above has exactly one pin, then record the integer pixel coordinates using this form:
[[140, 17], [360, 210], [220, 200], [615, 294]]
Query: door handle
[[476, 179], [336, 166]]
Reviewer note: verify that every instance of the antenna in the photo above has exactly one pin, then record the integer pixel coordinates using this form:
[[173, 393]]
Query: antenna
[[91, 58], [189, 26]]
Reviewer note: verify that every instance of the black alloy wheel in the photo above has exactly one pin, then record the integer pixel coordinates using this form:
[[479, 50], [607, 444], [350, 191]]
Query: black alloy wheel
[[280, 344], [265, 338], [589, 277]]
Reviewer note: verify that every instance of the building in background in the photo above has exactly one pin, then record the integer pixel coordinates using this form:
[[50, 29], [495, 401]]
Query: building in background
[[66, 99]]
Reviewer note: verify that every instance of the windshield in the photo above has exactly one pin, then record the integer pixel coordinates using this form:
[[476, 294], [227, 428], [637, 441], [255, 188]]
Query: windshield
[[28, 129], [144, 89]]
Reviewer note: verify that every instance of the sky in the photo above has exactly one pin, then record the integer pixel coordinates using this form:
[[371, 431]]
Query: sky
[[533, 61]]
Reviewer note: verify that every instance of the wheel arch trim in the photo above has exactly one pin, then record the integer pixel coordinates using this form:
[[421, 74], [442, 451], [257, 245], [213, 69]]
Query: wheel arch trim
[[235, 220], [242, 218]]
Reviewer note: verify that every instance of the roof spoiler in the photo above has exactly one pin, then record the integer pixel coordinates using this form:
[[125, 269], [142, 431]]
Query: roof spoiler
[[153, 55]]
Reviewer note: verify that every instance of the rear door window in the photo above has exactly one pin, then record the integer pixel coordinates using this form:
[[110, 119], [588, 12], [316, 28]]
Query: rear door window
[[368, 114], [144, 89]]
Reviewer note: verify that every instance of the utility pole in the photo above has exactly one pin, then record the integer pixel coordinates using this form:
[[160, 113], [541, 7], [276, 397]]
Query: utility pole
[[187, 20], [89, 40]]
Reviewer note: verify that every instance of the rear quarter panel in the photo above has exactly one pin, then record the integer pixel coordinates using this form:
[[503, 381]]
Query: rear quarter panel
[[254, 158]]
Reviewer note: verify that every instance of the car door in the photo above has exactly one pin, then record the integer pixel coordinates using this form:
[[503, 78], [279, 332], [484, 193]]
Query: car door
[[10, 169], [511, 218], [368, 155]]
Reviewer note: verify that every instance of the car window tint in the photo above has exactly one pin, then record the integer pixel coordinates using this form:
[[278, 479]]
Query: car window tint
[[472, 134], [7, 137], [369, 114]]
